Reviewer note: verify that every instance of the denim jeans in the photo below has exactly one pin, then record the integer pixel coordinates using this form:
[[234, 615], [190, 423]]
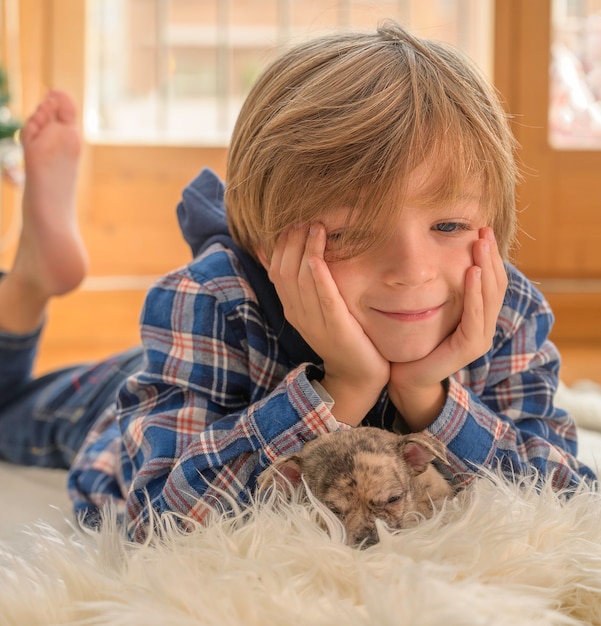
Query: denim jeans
[[43, 421]]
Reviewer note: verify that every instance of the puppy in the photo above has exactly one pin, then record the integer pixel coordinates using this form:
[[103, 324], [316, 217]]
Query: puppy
[[366, 474]]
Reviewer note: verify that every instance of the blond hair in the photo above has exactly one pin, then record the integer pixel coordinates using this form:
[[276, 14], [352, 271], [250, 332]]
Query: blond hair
[[343, 120]]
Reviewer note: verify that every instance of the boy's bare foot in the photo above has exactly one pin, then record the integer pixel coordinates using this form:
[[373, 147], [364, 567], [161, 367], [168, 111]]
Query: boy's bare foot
[[51, 252], [50, 259]]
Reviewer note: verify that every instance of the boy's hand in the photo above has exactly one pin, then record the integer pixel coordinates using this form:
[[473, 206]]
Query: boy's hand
[[355, 372], [416, 388]]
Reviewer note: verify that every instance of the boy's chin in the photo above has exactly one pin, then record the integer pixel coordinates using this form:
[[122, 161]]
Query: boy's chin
[[407, 354]]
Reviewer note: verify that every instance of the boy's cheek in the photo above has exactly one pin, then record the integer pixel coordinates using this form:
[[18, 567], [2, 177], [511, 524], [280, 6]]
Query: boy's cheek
[[347, 281]]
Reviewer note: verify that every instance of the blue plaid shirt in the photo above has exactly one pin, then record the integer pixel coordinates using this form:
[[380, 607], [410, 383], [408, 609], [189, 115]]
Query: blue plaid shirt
[[220, 397], [217, 401]]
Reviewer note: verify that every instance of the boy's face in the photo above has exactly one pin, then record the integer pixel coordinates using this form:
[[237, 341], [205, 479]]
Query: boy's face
[[408, 294]]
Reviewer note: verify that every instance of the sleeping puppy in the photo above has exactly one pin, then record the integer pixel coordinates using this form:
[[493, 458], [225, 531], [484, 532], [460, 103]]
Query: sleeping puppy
[[366, 474]]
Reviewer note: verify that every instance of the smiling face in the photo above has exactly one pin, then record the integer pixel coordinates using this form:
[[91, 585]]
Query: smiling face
[[407, 294]]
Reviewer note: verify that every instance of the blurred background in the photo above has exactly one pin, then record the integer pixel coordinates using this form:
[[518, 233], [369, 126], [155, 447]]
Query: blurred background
[[159, 83]]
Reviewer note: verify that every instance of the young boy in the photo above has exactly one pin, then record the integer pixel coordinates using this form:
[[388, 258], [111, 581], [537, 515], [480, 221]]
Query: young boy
[[353, 274]]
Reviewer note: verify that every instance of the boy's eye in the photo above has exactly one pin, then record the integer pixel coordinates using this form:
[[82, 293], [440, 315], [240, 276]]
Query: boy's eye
[[335, 241], [335, 236], [451, 227]]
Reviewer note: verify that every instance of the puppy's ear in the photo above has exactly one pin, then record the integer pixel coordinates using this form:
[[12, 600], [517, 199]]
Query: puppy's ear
[[284, 473], [420, 449]]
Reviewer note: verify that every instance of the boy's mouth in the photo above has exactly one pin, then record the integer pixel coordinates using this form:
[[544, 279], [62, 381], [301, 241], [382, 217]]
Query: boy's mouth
[[411, 316]]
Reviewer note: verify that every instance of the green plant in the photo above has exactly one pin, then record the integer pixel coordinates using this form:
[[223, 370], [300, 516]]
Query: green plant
[[8, 124]]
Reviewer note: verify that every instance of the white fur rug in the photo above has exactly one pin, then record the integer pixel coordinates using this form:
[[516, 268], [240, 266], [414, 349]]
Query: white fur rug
[[497, 555]]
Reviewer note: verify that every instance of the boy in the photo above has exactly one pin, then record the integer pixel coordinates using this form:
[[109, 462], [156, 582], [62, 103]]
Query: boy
[[359, 279]]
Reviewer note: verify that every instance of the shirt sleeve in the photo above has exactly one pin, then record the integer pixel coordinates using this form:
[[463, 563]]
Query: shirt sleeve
[[214, 404], [500, 412]]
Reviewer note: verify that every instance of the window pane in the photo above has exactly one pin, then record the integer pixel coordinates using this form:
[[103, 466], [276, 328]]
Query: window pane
[[575, 80], [177, 71]]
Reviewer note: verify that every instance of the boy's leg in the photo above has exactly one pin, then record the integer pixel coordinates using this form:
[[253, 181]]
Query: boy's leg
[[41, 420], [46, 420], [50, 257]]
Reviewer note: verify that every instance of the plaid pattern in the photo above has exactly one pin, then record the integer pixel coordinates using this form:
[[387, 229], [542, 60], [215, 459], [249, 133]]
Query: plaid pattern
[[217, 400]]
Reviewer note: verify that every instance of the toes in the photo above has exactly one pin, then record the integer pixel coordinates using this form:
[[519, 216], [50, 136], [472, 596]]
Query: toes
[[56, 106], [65, 107]]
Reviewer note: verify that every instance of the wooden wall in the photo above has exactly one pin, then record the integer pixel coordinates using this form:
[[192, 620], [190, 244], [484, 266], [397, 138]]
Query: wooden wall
[[127, 198]]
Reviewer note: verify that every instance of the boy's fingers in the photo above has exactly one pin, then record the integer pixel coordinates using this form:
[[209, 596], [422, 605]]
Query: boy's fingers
[[292, 255], [494, 279], [313, 253], [283, 273], [316, 241], [327, 296], [314, 249], [330, 300], [293, 277], [472, 320], [276, 258]]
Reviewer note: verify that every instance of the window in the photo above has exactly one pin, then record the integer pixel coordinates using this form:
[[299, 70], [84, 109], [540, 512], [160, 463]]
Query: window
[[575, 98], [177, 71]]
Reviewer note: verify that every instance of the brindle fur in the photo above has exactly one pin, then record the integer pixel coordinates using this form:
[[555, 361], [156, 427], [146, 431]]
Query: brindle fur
[[366, 474]]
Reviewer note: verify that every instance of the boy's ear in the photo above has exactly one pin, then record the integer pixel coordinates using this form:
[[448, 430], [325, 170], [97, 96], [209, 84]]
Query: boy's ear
[[263, 258]]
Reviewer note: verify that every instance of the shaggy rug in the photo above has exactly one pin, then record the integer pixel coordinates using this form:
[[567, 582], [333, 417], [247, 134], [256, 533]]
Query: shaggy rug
[[498, 554]]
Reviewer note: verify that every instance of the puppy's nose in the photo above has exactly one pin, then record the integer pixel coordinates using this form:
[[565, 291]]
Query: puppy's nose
[[366, 538]]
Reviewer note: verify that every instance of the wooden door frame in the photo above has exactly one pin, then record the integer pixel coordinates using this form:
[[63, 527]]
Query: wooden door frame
[[520, 45]]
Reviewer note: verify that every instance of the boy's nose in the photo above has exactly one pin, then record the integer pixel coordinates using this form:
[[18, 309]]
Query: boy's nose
[[408, 261]]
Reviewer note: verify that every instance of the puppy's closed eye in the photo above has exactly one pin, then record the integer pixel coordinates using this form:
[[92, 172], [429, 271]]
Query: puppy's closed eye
[[338, 511], [388, 502], [397, 498]]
